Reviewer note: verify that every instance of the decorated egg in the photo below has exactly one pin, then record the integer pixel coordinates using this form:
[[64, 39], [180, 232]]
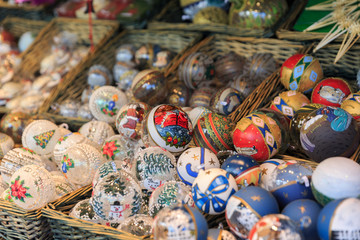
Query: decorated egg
[[213, 131], [291, 181], [13, 124], [196, 113], [149, 86], [155, 166], [335, 178], [276, 226], [228, 67], [17, 158], [331, 92], [31, 187], [352, 105], [304, 212], [6, 144], [245, 84], [339, 220], [116, 197], [226, 101], [194, 159], [260, 66], [246, 207], [257, 135], [266, 169], [289, 102], [138, 225], [162, 59], [118, 148], [179, 94], [201, 97], [99, 75], [145, 55], [105, 103], [219, 234], [97, 131], [169, 127], [62, 185], [197, 70], [85, 211], [301, 72], [180, 222], [41, 136], [129, 119], [124, 75], [244, 169], [80, 162], [212, 189], [329, 132]]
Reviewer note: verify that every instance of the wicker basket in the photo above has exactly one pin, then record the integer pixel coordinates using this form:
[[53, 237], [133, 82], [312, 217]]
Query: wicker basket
[[26, 11], [170, 19], [73, 87]]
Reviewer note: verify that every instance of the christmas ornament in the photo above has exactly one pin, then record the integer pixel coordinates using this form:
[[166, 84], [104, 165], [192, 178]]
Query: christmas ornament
[[244, 169], [260, 66], [69, 108], [118, 148], [245, 84], [211, 15], [304, 212], [213, 131], [26, 40], [6, 144], [138, 225], [124, 75], [169, 127], [219, 234], [99, 75], [266, 169], [275, 226], [246, 207], [194, 159], [352, 105], [331, 92], [145, 55], [191, 7], [229, 66], [226, 101], [84, 112], [126, 54], [97, 131], [301, 72], [162, 59], [212, 189], [201, 97], [335, 178], [179, 94], [85, 211], [62, 185], [196, 113], [329, 132], [13, 124]]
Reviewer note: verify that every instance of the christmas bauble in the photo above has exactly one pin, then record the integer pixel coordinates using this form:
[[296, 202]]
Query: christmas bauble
[[304, 212], [201, 97], [244, 169], [352, 105], [26, 40], [6, 144], [138, 225], [213, 131], [13, 124], [84, 112], [149, 86], [125, 53], [62, 185], [339, 220], [229, 66], [246, 207], [219, 234], [194, 159], [145, 55], [245, 84], [211, 15], [289, 102], [260, 66], [97, 131], [226, 101], [196, 113], [119, 148], [124, 75], [197, 70], [99, 75], [169, 127], [257, 135], [301, 72], [331, 92], [329, 132], [85, 211], [69, 108], [212, 189], [162, 59], [275, 226], [179, 95], [266, 169], [336, 178]]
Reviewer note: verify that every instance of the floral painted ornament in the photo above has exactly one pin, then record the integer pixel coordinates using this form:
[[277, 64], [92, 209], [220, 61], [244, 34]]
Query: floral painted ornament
[[119, 148], [105, 102]]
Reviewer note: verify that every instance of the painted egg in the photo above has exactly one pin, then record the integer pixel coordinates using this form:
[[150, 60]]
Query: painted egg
[[229, 66], [226, 101], [6, 144], [145, 55], [331, 92], [192, 160], [129, 119], [246, 207], [329, 132], [340, 220], [149, 86], [105, 103], [301, 72], [196, 113], [352, 105], [260, 66], [257, 135], [118, 148], [97, 131], [197, 69], [291, 181], [138, 225], [212, 189], [179, 94], [41, 136], [13, 124], [169, 127], [276, 226], [304, 212], [85, 211], [213, 131], [336, 178], [180, 222], [289, 102], [201, 97], [244, 169], [266, 169], [219, 234]]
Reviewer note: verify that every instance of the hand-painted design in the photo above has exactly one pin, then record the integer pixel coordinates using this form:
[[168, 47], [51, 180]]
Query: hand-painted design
[[168, 195], [8, 196], [110, 149], [43, 139], [18, 190], [333, 95], [339, 119], [67, 163], [299, 69], [87, 211], [136, 204], [110, 108], [63, 138], [114, 186], [155, 164]]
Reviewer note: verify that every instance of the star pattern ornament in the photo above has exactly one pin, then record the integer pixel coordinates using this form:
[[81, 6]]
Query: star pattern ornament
[[264, 171], [195, 157], [212, 162]]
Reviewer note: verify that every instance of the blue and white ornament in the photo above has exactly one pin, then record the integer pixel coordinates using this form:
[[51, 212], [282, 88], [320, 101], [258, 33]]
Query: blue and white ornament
[[266, 169]]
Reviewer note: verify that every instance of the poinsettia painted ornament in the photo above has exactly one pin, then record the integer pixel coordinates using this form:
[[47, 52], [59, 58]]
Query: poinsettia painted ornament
[[118, 148]]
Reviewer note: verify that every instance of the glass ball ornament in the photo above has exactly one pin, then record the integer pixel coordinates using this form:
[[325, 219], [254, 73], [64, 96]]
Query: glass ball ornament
[[329, 132], [13, 124], [260, 66], [266, 169], [99, 75], [219, 234], [69, 108], [351, 104], [62, 185], [201, 97], [245, 84], [301, 72], [229, 66], [226, 101], [118, 148], [145, 55], [85, 211], [162, 59], [125, 53], [97, 132], [179, 94], [212, 189], [124, 75], [335, 178], [246, 207], [138, 225], [84, 112], [275, 226]]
